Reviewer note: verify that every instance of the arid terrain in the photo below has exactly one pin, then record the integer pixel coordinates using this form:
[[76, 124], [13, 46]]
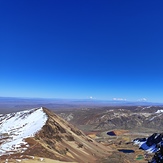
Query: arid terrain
[[85, 134], [56, 139], [124, 123]]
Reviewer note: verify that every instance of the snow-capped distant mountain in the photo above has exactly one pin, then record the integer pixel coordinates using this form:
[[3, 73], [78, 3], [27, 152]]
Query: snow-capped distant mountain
[[159, 111]]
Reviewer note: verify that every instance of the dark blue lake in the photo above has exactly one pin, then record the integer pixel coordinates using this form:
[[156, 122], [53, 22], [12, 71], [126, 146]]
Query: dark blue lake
[[111, 133], [126, 150]]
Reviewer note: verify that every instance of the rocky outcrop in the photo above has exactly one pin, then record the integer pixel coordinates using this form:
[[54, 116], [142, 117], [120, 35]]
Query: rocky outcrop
[[152, 144]]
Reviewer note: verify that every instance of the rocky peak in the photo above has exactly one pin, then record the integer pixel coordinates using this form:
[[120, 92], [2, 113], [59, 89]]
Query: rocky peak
[[42, 133]]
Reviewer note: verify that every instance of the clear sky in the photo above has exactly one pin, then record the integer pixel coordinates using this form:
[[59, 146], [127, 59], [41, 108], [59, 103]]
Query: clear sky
[[102, 49]]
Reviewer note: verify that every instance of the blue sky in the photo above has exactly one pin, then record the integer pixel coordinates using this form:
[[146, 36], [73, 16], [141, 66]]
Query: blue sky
[[81, 49]]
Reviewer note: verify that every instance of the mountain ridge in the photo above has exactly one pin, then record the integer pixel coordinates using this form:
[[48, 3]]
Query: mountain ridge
[[57, 139]]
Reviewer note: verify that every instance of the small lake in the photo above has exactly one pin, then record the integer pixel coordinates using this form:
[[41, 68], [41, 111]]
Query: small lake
[[111, 133], [126, 150], [140, 157]]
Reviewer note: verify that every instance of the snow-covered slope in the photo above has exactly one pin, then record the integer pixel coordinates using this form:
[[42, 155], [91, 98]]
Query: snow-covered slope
[[143, 145], [152, 144], [15, 127]]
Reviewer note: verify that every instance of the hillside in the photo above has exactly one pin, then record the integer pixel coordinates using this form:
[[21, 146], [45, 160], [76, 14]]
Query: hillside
[[135, 118], [41, 133]]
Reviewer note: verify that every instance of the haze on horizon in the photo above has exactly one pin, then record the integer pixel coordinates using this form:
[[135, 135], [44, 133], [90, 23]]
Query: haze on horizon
[[108, 50]]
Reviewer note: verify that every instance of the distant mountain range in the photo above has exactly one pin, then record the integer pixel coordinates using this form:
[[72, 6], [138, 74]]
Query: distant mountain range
[[122, 117], [17, 104]]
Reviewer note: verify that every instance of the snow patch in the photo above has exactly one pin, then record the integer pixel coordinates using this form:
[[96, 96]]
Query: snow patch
[[41, 159], [15, 127], [159, 111], [144, 146]]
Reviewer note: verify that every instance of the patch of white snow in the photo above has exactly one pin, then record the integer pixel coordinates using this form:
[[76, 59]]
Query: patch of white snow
[[159, 111], [41, 159], [15, 127]]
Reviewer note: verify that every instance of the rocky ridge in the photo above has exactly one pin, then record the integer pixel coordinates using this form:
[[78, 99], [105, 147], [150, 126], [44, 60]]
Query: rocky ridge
[[51, 137]]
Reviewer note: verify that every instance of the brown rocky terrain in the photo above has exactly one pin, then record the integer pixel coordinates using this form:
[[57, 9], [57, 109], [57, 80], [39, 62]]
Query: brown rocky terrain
[[137, 118], [59, 140], [62, 141], [126, 122]]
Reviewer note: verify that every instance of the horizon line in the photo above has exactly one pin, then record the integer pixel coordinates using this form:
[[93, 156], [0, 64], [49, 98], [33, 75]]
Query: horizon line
[[86, 99]]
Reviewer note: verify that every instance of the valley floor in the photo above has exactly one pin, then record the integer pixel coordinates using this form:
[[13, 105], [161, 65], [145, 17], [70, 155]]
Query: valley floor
[[122, 141]]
